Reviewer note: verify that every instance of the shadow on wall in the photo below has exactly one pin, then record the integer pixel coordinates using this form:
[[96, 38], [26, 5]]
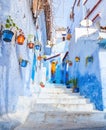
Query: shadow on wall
[[90, 87]]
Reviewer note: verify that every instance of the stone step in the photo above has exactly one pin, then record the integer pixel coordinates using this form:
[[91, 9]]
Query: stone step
[[62, 107], [63, 121], [57, 117], [62, 101], [56, 90], [62, 96]]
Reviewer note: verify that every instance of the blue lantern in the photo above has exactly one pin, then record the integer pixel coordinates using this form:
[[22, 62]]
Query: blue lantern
[[7, 35]]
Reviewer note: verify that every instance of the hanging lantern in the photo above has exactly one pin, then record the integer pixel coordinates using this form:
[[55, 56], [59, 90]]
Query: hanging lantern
[[77, 59], [20, 39], [23, 63], [30, 45], [38, 47], [68, 36]]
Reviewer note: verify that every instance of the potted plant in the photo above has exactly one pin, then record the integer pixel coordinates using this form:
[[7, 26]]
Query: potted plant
[[68, 36], [89, 59], [42, 84], [74, 82], [20, 37], [23, 62], [8, 32], [30, 43], [77, 59]]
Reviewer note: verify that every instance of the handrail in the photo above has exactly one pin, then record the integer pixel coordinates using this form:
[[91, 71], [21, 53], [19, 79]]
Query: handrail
[[65, 55], [52, 57], [93, 9]]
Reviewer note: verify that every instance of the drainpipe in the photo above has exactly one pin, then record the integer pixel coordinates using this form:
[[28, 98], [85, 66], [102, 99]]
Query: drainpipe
[[93, 9]]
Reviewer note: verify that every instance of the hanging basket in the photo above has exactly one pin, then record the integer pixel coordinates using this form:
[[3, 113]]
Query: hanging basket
[[30, 45], [7, 35], [77, 59], [23, 63], [68, 36], [20, 39]]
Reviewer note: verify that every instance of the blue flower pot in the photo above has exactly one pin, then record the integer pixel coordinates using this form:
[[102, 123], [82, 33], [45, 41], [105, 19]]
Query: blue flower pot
[[37, 47], [7, 35], [23, 63], [76, 90]]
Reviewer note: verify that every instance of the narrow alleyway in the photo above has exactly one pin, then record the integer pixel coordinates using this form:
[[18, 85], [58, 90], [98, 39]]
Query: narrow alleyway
[[52, 65]]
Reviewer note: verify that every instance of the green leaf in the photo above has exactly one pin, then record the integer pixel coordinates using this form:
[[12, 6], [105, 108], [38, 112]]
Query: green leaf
[[7, 21], [14, 24], [7, 25]]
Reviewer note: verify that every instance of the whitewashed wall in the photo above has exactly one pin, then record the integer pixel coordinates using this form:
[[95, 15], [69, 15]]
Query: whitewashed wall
[[15, 80]]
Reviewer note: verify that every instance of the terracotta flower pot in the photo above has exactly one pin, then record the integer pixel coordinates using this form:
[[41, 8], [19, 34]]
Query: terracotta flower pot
[[77, 59], [20, 39], [30, 45], [69, 36]]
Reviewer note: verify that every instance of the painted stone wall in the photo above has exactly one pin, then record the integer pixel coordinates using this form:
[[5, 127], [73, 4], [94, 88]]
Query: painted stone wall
[[15, 80], [88, 73]]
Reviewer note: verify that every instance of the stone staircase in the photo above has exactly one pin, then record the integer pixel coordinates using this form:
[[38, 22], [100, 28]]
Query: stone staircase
[[60, 99], [60, 109]]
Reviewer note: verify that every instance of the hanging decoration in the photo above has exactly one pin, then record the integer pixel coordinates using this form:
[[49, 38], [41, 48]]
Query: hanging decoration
[[22, 62], [38, 47], [68, 37], [89, 59], [77, 59], [10, 25], [30, 43], [20, 38]]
